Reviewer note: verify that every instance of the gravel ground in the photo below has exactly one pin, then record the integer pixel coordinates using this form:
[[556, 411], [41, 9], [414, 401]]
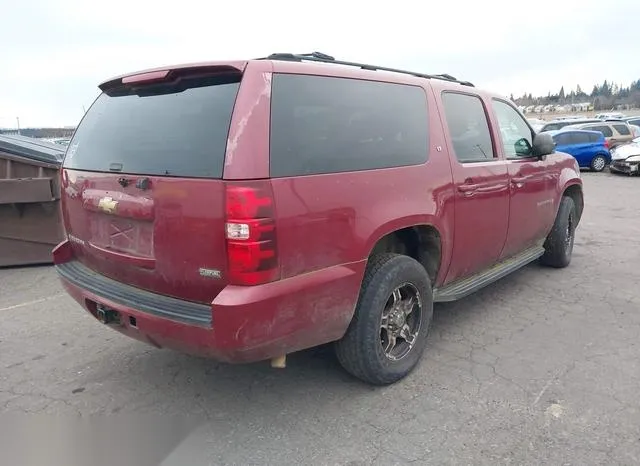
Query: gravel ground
[[540, 368]]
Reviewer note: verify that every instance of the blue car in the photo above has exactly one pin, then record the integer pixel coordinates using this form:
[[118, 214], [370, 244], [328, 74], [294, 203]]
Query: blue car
[[589, 148]]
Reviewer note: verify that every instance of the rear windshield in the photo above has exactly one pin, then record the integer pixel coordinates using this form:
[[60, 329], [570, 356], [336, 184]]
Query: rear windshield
[[331, 125], [177, 129]]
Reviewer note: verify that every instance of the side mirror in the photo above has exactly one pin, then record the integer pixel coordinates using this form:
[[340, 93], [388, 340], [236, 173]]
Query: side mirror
[[543, 144]]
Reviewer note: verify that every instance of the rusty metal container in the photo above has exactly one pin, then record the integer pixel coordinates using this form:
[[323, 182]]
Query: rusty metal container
[[30, 220]]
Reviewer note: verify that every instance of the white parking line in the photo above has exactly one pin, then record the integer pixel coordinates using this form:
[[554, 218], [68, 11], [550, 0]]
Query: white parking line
[[29, 303]]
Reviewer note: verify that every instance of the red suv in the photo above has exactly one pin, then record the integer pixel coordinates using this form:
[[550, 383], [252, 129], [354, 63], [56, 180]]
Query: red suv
[[245, 210]]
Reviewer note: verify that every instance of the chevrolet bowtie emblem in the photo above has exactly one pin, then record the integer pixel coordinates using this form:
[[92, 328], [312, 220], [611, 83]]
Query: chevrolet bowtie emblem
[[107, 205]]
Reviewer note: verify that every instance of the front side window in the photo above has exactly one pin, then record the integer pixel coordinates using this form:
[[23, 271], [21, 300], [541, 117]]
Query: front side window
[[331, 125], [517, 139], [468, 127]]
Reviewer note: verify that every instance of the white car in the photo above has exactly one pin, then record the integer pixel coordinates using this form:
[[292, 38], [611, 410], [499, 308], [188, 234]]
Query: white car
[[610, 116], [626, 158]]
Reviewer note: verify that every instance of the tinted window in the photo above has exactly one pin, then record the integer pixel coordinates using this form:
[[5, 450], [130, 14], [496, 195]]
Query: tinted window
[[468, 127], [329, 125], [580, 138], [622, 129], [593, 137], [551, 127], [562, 139], [603, 129], [178, 129], [517, 139], [634, 122]]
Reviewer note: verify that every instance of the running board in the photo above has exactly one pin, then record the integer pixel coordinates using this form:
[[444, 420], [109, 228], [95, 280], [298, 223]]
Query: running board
[[461, 288]]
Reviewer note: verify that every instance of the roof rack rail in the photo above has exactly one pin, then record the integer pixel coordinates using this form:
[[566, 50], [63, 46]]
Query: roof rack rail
[[324, 58]]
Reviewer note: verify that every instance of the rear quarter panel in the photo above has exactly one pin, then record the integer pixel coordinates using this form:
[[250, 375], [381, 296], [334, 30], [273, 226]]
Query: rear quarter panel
[[329, 220]]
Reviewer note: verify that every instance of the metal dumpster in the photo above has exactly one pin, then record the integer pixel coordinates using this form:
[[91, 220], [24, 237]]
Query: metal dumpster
[[30, 222]]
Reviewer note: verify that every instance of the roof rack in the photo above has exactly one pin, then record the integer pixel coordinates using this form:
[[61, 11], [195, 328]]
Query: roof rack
[[324, 58]]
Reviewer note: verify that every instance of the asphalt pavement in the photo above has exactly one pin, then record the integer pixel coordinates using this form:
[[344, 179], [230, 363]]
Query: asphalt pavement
[[540, 368]]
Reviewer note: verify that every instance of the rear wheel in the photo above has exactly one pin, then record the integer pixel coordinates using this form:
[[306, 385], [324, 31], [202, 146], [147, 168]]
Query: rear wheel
[[598, 163], [388, 333], [559, 244]]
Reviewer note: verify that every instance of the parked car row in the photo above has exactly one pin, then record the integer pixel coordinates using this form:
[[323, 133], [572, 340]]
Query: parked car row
[[589, 148], [607, 139], [615, 132]]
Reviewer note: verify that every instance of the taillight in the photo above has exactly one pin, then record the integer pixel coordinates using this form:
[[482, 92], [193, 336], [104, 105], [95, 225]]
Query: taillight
[[606, 143], [251, 233]]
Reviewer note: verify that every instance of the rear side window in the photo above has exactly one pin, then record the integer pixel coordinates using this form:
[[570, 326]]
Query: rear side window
[[330, 125], [622, 129], [468, 127], [593, 137], [580, 138], [603, 129], [634, 122], [563, 139], [177, 129]]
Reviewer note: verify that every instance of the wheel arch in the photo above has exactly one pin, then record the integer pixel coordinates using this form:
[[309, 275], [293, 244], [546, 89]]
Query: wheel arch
[[574, 191], [423, 242]]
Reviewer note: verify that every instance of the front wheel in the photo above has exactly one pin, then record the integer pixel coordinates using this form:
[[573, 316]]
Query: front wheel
[[559, 244], [388, 332], [598, 163]]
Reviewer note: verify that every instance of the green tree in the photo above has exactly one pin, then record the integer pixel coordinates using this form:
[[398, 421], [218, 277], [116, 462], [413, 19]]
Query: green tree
[[605, 89]]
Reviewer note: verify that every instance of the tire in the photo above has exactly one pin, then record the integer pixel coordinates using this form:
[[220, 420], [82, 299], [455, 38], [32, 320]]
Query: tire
[[559, 244], [376, 322], [598, 163]]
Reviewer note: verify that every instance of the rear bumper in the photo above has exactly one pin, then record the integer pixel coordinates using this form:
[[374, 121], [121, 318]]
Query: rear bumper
[[242, 324]]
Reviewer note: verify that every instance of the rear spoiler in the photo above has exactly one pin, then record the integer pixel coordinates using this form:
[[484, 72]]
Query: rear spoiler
[[168, 74]]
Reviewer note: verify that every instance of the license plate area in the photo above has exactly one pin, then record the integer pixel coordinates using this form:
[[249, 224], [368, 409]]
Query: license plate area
[[123, 234]]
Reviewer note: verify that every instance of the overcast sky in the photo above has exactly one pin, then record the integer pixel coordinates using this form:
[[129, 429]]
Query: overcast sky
[[55, 53]]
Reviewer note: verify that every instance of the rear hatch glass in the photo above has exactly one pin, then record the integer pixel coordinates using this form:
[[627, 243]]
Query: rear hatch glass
[[176, 129]]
